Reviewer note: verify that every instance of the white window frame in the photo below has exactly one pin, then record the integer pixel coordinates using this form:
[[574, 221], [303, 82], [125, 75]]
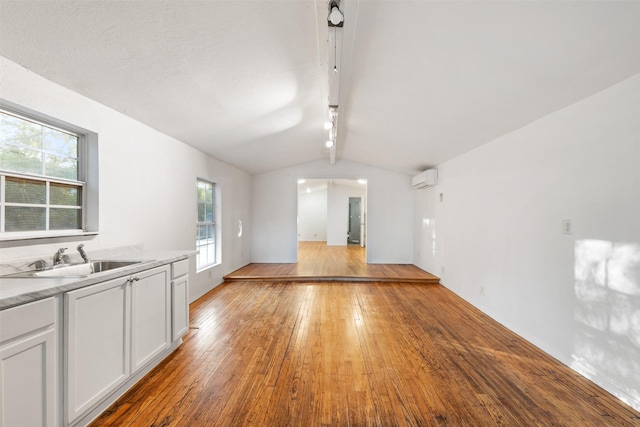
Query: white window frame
[[87, 178], [214, 222]]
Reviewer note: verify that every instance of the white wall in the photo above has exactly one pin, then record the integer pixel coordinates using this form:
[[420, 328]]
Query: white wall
[[312, 216], [147, 181], [496, 238], [389, 203]]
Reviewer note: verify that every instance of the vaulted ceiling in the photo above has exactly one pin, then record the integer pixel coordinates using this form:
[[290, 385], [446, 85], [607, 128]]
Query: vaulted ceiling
[[247, 81]]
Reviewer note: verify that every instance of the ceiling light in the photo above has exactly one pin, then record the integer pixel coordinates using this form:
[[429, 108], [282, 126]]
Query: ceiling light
[[328, 125], [335, 16], [329, 144], [362, 181], [301, 181]]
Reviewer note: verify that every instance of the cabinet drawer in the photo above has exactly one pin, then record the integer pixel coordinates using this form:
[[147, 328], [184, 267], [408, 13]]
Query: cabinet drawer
[[26, 318], [179, 268]]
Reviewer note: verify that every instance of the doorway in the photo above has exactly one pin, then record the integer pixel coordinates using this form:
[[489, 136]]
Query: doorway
[[332, 212], [354, 235]]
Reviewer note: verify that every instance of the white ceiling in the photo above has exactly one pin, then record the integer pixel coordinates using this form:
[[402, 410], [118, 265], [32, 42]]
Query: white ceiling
[[246, 81]]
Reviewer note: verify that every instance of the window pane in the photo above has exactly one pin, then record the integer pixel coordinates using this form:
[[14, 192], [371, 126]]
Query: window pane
[[61, 167], [38, 153], [202, 196], [202, 235], [65, 219], [211, 234], [20, 160], [64, 194], [205, 230], [209, 193], [208, 213], [211, 254], [25, 143], [60, 143], [20, 190], [201, 212], [202, 256], [24, 218], [16, 131]]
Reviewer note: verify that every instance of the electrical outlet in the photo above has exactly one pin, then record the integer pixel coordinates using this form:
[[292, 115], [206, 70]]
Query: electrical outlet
[[441, 197], [481, 290], [567, 227]]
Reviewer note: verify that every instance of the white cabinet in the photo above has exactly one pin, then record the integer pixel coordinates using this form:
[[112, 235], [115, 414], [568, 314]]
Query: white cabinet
[[180, 298], [28, 364], [150, 316], [97, 342], [112, 330]]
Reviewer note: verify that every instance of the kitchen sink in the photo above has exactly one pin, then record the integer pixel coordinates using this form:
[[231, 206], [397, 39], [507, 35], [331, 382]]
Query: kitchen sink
[[75, 270], [98, 266]]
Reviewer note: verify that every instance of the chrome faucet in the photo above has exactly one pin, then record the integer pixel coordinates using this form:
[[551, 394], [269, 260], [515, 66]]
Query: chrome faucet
[[57, 258], [40, 264], [83, 253]]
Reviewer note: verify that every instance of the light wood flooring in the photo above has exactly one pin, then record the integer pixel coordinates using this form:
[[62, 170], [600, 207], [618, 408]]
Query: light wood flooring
[[357, 354], [317, 261]]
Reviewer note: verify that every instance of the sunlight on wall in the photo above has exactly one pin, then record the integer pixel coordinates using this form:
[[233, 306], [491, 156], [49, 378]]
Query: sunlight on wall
[[607, 291], [429, 233]]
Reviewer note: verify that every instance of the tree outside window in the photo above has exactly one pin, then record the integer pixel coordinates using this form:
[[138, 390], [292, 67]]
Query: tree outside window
[[206, 225]]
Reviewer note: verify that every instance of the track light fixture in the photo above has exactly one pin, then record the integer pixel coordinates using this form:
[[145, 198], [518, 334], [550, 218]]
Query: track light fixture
[[335, 18], [335, 22], [332, 126]]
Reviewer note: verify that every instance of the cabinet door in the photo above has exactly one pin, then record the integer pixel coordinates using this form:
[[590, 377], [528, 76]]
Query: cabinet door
[[180, 291], [151, 315], [27, 376], [97, 342]]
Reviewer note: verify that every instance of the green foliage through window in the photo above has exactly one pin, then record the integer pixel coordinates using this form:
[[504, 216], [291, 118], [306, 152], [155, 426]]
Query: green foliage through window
[[40, 186], [32, 148], [205, 224]]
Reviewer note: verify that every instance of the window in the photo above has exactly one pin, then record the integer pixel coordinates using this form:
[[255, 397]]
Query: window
[[206, 225], [44, 189]]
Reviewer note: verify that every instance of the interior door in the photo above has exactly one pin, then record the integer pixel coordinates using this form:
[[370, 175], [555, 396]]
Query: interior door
[[354, 220]]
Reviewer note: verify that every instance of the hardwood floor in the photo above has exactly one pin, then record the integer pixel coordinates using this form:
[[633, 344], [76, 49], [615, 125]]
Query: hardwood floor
[[317, 261], [357, 354]]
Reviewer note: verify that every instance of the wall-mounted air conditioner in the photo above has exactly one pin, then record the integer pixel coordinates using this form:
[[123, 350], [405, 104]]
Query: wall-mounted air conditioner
[[425, 179]]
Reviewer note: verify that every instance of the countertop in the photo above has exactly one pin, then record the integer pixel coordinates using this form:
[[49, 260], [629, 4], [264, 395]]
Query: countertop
[[17, 291]]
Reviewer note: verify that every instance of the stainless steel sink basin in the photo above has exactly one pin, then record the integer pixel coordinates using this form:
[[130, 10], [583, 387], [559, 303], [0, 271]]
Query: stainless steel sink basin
[[98, 266], [75, 270]]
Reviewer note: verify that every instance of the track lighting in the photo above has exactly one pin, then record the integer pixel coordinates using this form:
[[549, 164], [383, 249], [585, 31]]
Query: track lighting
[[335, 16], [335, 21]]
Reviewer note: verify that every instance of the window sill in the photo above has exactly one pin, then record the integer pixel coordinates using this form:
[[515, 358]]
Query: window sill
[[50, 235], [208, 267]]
